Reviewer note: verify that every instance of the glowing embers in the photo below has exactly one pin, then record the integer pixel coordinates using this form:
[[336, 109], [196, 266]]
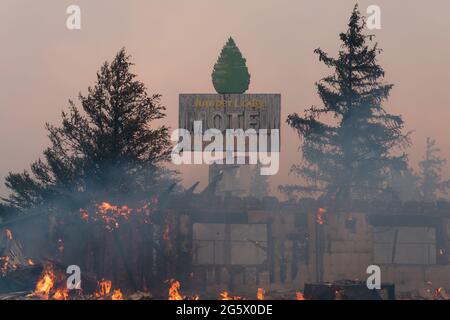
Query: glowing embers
[[111, 216], [320, 216], [5, 264]]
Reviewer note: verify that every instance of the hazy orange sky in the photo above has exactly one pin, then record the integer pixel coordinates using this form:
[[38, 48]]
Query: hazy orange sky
[[175, 44]]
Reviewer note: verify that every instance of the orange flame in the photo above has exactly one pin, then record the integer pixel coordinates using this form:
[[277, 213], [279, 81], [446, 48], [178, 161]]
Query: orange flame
[[260, 294], [104, 288], [299, 296], [226, 296], [320, 216], [174, 290], [30, 262], [61, 294], [104, 291], [117, 295], [45, 283], [439, 292], [110, 215]]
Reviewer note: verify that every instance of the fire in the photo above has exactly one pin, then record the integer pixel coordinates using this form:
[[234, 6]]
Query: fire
[[105, 291], [320, 216], [84, 215], [30, 262], [339, 294], [61, 294], [105, 206], [45, 283], [9, 234], [104, 288], [111, 215], [299, 296], [5, 264], [438, 292], [226, 296], [117, 295], [260, 294], [441, 294], [174, 290]]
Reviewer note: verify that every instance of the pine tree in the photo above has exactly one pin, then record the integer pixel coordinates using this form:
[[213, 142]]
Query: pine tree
[[230, 74], [105, 148], [6, 212], [403, 184], [350, 157], [431, 183]]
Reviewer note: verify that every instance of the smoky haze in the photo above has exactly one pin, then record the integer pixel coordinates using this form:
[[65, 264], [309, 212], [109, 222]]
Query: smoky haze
[[174, 45]]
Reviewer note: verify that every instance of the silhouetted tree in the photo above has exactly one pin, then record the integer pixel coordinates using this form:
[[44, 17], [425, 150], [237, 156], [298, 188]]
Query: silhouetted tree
[[6, 212], [105, 148], [431, 183], [350, 157], [230, 74], [404, 184]]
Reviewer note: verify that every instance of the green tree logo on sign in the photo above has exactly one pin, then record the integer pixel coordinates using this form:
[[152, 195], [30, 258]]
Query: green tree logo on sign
[[230, 74]]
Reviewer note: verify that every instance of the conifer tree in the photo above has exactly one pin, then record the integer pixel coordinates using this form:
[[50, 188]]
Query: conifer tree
[[431, 183], [349, 156], [106, 148], [403, 185], [230, 74], [6, 212]]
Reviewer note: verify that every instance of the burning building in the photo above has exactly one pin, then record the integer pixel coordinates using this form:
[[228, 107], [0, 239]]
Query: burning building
[[249, 244], [214, 244]]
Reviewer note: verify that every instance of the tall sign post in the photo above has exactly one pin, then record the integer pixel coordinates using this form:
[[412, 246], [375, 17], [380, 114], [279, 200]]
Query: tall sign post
[[257, 116]]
